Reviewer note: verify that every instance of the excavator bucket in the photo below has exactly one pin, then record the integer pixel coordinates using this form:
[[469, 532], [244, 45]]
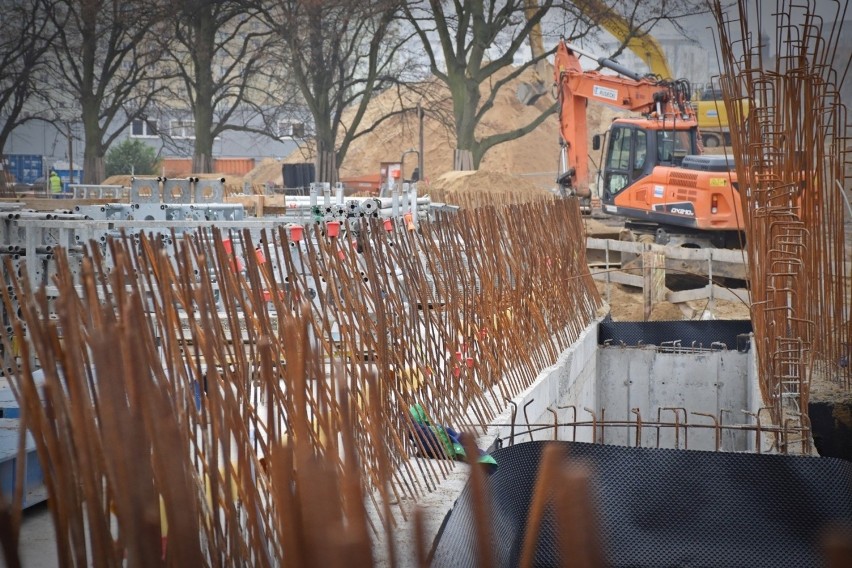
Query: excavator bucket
[[529, 92]]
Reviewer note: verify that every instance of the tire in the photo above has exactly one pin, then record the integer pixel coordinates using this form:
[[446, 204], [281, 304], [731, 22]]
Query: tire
[[710, 141]]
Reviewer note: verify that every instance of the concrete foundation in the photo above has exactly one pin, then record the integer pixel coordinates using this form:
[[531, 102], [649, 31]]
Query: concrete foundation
[[592, 383]]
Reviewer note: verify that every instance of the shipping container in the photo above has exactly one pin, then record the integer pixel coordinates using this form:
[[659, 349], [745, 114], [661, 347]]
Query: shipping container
[[26, 168], [233, 166], [182, 167], [365, 185], [176, 167]]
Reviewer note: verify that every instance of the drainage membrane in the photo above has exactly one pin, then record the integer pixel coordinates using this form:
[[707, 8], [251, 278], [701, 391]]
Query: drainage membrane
[[707, 334], [665, 508]]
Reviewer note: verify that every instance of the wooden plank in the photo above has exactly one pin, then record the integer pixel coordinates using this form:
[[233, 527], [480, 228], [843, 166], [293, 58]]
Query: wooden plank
[[682, 253], [736, 270], [614, 245], [726, 263], [653, 279], [719, 293], [618, 277]]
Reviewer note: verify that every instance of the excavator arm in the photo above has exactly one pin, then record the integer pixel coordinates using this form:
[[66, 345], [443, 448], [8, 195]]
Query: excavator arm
[[633, 92], [642, 44]]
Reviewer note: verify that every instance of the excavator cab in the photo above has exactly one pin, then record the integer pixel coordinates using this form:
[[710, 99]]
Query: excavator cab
[[633, 151]]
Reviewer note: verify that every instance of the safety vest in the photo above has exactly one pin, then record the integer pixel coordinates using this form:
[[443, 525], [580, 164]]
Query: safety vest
[[55, 183]]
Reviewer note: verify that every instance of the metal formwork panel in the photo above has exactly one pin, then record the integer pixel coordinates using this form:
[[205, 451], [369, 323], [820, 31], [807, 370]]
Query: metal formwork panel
[[177, 212], [145, 190], [177, 191], [148, 212], [209, 190], [221, 212]]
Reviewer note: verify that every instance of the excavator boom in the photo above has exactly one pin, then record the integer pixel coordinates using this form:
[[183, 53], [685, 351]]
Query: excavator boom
[[642, 44]]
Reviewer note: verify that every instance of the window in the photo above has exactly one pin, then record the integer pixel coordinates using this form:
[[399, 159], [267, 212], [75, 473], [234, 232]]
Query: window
[[619, 149], [673, 146], [618, 163], [182, 128], [144, 128], [640, 143], [291, 130]]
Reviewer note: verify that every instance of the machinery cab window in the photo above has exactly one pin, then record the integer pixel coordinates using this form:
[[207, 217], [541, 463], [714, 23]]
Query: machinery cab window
[[626, 158], [674, 145]]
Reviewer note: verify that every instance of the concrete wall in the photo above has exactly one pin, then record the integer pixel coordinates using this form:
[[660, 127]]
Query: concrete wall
[[671, 387], [590, 383], [570, 381]]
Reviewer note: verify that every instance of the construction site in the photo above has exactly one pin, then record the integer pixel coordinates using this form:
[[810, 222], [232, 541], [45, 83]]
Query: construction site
[[642, 360]]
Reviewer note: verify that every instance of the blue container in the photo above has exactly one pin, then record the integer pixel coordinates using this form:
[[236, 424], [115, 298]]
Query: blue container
[[26, 168], [65, 176], [35, 490]]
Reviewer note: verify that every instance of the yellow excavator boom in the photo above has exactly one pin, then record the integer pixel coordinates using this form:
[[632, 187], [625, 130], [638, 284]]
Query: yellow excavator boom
[[644, 46]]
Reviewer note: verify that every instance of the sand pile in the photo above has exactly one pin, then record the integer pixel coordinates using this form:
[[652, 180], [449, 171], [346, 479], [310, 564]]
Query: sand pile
[[536, 153], [267, 171], [483, 187], [534, 156]]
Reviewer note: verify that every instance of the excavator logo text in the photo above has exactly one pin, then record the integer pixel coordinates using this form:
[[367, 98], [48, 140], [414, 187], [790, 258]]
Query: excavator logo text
[[686, 208], [604, 93]]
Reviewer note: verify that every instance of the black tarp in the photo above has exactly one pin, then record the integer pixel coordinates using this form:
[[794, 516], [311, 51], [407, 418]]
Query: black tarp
[[298, 175], [690, 333], [667, 508]]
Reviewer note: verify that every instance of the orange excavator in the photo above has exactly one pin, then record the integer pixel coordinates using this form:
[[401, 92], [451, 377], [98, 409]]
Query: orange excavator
[[652, 171]]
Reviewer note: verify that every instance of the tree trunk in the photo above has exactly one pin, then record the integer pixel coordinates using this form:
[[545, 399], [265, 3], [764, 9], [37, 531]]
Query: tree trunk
[[465, 101], [94, 170], [326, 159], [202, 158], [90, 104], [202, 163]]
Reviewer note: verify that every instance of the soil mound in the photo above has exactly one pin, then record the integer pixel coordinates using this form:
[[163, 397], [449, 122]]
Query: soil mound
[[484, 187]]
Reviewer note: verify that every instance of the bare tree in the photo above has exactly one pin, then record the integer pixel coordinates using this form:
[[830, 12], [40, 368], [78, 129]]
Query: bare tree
[[25, 37], [224, 55], [339, 53], [107, 58], [475, 42], [474, 47]]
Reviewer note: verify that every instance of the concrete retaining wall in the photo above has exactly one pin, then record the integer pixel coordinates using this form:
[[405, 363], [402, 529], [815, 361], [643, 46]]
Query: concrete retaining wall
[[673, 387], [570, 381], [590, 383]]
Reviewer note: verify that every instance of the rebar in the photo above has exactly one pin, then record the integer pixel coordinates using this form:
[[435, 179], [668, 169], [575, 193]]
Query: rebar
[[791, 151], [216, 371]]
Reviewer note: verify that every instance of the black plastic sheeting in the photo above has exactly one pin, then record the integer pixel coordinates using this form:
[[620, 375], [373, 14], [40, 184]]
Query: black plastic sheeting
[[691, 333], [298, 175], [667, 508]]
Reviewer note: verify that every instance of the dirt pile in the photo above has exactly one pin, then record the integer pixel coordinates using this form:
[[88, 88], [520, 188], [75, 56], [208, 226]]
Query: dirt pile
[[267, 171], [535, 156], [483, 187], [626, 304]]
